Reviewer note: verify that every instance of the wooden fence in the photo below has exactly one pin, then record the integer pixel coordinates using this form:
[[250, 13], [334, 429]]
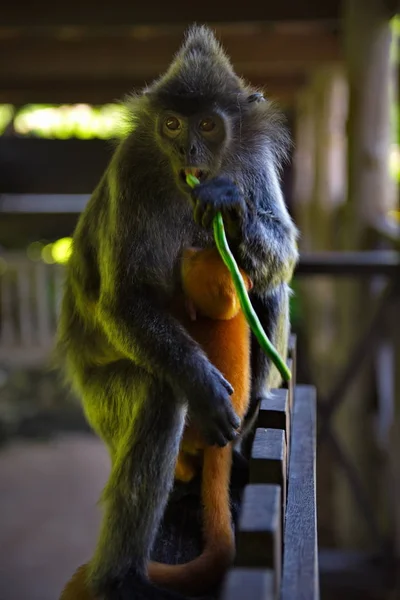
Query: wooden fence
[[277, 542], [30, 294]]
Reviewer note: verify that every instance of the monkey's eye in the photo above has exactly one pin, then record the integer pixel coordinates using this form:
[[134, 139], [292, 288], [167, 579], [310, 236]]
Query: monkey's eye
[[207, 125], [172, 123]]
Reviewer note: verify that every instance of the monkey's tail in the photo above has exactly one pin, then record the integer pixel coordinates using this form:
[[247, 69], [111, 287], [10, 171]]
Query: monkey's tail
[[200, 575]]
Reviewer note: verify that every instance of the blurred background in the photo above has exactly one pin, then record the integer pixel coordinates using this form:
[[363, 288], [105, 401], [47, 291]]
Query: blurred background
[[333, 67]]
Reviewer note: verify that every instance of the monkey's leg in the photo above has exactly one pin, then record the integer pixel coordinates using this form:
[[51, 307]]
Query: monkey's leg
[[142, 421]]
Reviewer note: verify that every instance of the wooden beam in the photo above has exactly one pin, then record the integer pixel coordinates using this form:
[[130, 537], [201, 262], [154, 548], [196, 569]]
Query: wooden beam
[[373, 263], [300, 557], [50, 166], [367, 43], [113, 57], [126, 12], [102, 91]]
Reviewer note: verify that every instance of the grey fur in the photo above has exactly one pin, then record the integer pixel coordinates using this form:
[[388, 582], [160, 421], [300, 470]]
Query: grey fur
[[134, 366]]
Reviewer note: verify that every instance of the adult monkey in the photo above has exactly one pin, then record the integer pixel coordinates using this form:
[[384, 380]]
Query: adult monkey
[[136, 368]]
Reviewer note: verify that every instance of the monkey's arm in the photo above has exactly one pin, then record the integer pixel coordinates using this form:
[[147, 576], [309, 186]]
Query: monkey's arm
[[260, 231], [263, 240], [266, 245], [132, 314], [267, 249], [152, 338]]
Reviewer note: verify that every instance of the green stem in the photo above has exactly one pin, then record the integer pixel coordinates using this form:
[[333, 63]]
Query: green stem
[[248, 310]]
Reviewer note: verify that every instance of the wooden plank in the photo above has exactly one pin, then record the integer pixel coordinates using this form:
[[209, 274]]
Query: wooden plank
[[18, 230], [24, 301], [395, 434], [125, 13], [288, 385], [43, 203], [8, 332], [268, 462], [282, 89], [292, 345], [349, 264], [300, 559], [292, 354], [259, 537], [44, 326], [274, 413], [71, 166], [255, 584], [8, 292], [16, 357], [274, 410], [292, 382], [50, 166], [393, 438], [59, 277], [254, 54]]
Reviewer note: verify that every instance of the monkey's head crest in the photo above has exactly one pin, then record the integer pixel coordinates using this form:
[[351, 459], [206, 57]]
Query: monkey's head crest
[[201, 81], [201, 73]]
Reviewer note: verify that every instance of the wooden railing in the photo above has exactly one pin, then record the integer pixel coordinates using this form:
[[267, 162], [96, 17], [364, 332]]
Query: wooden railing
[[277, 546], [30, 294]]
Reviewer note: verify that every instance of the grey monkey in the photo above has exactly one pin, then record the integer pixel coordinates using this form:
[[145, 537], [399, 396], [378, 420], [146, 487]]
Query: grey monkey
[[137, 370]]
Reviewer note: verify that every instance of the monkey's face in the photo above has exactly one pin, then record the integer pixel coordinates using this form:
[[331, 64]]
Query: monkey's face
[[194, 144]]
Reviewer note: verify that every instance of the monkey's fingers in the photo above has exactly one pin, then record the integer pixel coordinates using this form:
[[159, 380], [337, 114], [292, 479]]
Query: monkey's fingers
[[214, 372], [227, 419], [234, 219], [227, 385], [217, 439], [233, 419], [225, 431]]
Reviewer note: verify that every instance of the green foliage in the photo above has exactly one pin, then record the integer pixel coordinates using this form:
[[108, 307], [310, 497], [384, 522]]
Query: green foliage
[[295, 304], [6, 115], [70, 121]]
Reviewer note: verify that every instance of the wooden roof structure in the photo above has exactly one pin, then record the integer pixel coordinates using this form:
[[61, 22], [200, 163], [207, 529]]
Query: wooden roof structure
[[90, 52], [84, 52]]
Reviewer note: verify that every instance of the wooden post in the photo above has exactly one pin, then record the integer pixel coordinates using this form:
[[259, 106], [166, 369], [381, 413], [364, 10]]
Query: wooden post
[[394, 444], [367, 39], [303, 164], [319, 191]]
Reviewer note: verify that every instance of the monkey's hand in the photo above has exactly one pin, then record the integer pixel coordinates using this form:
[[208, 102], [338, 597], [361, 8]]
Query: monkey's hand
[[210, 406], [220, 195]]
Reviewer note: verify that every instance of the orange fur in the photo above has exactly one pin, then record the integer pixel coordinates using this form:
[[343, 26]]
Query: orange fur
[[221, 329]]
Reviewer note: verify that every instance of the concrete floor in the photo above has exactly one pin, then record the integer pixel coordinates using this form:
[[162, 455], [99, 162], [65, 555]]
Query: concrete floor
[[48, 513]]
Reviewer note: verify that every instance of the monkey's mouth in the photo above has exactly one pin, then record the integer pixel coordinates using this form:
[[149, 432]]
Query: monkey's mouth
[[201, 174]]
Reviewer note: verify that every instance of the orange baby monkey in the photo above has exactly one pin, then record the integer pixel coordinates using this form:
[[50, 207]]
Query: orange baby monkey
[[215, 320], [210, 310]]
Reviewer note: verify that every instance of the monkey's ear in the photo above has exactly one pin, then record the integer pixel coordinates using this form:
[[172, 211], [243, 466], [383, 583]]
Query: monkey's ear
[[256, 97]]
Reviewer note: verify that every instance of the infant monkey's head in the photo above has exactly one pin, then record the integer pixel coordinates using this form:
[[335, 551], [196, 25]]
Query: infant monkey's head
[[208, 285]]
